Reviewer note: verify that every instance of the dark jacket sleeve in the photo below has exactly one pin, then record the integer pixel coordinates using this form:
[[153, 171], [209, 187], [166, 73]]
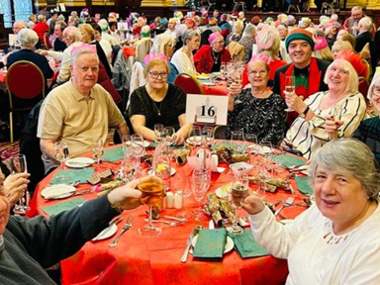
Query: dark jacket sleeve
[[49, 241]]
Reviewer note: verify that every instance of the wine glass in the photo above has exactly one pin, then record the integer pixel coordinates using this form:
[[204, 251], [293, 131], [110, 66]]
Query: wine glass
[[238, 193], [152, 195], [223, 70], [97, 150], [159, 133], [18, 165], [127, 145], [209, 131], [61, 152], [238, 141], [170, 137], [290, 86], [236, 77], [199, 186], [195, 137], [251, 140], [138, 149]]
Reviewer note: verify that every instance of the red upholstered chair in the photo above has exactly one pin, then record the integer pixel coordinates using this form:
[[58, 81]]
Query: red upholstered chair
[[47, 41], [25, 84], [188, 83]]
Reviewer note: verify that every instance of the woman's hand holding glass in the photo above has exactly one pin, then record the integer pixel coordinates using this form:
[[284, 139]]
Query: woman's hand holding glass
[[294, 102], [239, 192]]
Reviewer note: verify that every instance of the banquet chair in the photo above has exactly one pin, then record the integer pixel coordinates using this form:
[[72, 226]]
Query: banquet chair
[[23, 96], [188, 83], [47, 41]]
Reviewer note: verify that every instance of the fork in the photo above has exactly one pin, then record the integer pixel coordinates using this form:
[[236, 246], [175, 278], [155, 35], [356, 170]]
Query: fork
[[126, 227], [288, 202]]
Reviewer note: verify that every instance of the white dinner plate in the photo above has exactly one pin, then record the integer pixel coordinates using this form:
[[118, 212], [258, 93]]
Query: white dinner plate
[[209, 84], [264, 150], [106, 233], [172, 171], [79, 162], [58, 191], [227, 248], [222, 192]]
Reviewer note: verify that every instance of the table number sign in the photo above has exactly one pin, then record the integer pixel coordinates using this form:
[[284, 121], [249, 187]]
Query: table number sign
[[206, 109]]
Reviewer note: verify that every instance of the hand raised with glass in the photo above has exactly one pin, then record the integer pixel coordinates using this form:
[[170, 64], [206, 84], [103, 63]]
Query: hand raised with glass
[[127, 197], [253, 204]]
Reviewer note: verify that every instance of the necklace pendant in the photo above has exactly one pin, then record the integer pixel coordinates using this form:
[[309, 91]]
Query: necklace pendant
[[159, 113]]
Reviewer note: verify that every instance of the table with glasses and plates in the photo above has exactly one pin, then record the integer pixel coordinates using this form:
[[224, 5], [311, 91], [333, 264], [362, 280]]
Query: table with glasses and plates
[[138, 259]]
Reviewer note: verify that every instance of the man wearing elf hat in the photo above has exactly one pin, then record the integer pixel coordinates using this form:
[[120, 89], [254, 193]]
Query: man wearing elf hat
[[308, 71]]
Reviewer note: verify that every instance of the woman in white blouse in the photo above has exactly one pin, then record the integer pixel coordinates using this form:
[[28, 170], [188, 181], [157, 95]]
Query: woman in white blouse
[[337, 240], [323, 116], [183, 58]]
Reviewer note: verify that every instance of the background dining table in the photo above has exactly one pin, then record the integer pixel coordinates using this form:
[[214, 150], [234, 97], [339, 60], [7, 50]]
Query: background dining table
[[156, 260]]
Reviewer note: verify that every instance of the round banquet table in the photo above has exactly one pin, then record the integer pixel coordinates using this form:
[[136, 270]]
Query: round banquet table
[[156, 260]]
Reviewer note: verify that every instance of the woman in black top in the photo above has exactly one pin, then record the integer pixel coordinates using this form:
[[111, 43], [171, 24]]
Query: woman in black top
[[158, 102], [257, 110]]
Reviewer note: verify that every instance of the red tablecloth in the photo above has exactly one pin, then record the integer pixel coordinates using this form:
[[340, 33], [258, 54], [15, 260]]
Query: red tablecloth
[[140, 260]]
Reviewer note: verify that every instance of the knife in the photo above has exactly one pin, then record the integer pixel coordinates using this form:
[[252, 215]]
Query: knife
[[188, 245], [107, 229]]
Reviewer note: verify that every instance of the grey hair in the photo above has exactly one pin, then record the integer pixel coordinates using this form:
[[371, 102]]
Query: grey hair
[[161, 41], [348, 156], [366, 23], [74, 56], [356, 8], [27, 38], [375, 81], [353, 79], [73, 32], [249, 31], [188, 35]]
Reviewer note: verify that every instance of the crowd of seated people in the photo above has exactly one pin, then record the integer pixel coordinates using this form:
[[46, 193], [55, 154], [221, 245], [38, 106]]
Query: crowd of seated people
[[328, 60]]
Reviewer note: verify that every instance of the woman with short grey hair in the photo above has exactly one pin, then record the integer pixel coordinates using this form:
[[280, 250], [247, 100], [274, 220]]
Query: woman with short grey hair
[[28, 39], [183, 58], [335, 241]]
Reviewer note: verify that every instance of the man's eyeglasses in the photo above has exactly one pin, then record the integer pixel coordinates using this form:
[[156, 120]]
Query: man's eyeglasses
[[156, 75]]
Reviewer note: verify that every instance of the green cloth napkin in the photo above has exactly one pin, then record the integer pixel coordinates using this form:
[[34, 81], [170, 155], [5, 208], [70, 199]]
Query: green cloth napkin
[[210, 244], [63, 206], [69, 176], [303, 185], [247, 246], [113, 154], [288, 160]]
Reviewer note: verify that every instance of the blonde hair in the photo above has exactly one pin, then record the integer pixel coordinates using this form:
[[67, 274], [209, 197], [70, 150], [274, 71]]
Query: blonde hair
[[153, 63], [353, 79], [344, 45], [324, 54], [375, 81], [89, 33], [238, 27]]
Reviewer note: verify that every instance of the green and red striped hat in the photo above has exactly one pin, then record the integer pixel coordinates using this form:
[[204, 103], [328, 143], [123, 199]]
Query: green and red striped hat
[[299, 34]]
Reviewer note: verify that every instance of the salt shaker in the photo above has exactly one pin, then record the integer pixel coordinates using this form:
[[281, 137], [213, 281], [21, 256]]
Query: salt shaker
[[178, 200], [169, 200]]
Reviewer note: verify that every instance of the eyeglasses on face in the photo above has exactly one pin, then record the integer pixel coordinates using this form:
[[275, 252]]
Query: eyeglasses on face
[[219, 42], [156, 75]]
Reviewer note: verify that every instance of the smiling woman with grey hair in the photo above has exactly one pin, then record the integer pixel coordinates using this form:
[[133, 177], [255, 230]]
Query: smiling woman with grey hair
[[28, 39], [335, 241], [369, 130], [323, 116]]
